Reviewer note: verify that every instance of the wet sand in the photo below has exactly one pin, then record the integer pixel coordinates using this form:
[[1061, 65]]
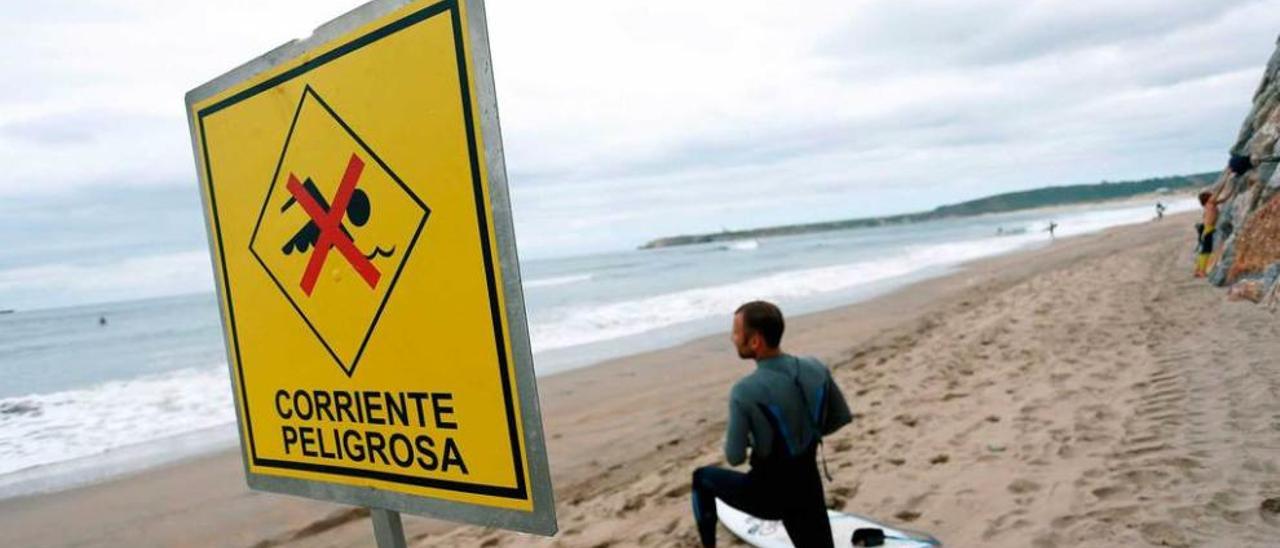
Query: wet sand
[[1089, 392]]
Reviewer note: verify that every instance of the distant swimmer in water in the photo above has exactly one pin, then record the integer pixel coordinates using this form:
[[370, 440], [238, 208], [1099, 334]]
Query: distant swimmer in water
[[102, 320], [779, 412]]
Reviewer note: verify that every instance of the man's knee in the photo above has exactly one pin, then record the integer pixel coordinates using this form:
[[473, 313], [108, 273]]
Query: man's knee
[[702, 474]]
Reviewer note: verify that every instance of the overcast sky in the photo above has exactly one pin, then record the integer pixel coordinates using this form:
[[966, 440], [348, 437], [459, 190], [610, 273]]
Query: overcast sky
[[625, 121]]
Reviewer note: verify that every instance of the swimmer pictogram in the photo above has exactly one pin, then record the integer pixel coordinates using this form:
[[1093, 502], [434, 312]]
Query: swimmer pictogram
[[336, 229], [325, 229]]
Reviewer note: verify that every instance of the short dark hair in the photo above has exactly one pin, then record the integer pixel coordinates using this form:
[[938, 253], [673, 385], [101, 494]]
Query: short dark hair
[[763, 318], [1205, 196], [1240, 163]]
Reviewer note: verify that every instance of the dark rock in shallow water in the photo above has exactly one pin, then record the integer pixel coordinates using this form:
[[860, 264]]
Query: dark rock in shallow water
[[1271, 506], [19, 408]]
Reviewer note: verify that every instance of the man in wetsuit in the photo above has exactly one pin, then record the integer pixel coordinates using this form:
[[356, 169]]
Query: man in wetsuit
[[780, 413]]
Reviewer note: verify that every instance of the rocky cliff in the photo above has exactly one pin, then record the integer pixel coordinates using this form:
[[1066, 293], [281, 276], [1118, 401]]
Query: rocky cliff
[[1250, 218]]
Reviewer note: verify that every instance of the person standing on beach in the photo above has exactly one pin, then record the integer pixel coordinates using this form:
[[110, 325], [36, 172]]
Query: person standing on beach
[[1204, 230], [779, 413]]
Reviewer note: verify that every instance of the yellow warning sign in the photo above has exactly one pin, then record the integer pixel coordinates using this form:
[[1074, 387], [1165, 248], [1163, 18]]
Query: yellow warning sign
[[360, 255]]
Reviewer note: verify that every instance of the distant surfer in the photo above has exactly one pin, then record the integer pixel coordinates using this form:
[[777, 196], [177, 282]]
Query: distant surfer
[[102, 321], [1159, 211], [779, 413], [1052, 227]]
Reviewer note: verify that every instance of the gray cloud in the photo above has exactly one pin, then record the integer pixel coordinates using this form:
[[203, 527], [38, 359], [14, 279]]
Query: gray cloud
[[84, 126], [918, 34], [627, 121]]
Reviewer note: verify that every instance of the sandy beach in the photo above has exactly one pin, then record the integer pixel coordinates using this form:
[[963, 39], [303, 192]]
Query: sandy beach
[[1089, 392]]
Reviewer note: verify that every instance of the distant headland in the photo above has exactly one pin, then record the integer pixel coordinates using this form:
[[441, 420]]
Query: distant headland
[[998, 203]]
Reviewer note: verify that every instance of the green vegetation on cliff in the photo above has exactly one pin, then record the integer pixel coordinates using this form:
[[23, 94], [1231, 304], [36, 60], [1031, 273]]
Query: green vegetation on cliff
[[1010, 201]]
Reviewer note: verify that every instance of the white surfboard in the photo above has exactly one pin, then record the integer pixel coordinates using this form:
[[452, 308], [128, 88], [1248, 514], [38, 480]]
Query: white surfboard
[[763, 533]]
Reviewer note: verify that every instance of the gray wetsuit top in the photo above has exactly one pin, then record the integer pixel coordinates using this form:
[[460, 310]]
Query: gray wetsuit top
[[794, 397]]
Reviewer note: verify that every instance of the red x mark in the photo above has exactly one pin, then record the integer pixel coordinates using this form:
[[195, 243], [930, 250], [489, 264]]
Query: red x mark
[[330, 234]]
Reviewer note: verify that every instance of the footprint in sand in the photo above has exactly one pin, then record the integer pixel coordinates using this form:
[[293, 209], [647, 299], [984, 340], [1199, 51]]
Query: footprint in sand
[[632, 504], [1108, 492], [1163, 534], [907, 515], [1022, 486], [838, 496], [1270, 510]]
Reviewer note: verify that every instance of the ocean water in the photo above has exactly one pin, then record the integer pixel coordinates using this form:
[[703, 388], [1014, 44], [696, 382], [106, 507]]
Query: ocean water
[[95, 390]]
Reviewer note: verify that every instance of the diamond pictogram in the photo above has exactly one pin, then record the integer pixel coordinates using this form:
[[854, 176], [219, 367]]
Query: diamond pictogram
[[335, 230]]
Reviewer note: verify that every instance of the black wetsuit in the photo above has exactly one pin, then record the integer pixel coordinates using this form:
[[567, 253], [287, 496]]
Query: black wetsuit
[[781, 411]]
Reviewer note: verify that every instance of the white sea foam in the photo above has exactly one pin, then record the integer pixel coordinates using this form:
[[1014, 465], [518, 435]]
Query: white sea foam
[[62, 426], [1093, 221], [558, 280], [583, 324]]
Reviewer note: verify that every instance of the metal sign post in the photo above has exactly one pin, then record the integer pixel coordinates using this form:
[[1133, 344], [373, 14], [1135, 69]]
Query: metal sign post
[[356, 204], [387, 529]]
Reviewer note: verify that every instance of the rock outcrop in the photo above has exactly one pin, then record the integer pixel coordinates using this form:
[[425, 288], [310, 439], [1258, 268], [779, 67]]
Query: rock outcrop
[[1250, 218]]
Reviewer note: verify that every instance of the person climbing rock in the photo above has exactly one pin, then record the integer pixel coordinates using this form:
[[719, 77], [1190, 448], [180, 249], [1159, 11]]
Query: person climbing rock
[[1210, 200]]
